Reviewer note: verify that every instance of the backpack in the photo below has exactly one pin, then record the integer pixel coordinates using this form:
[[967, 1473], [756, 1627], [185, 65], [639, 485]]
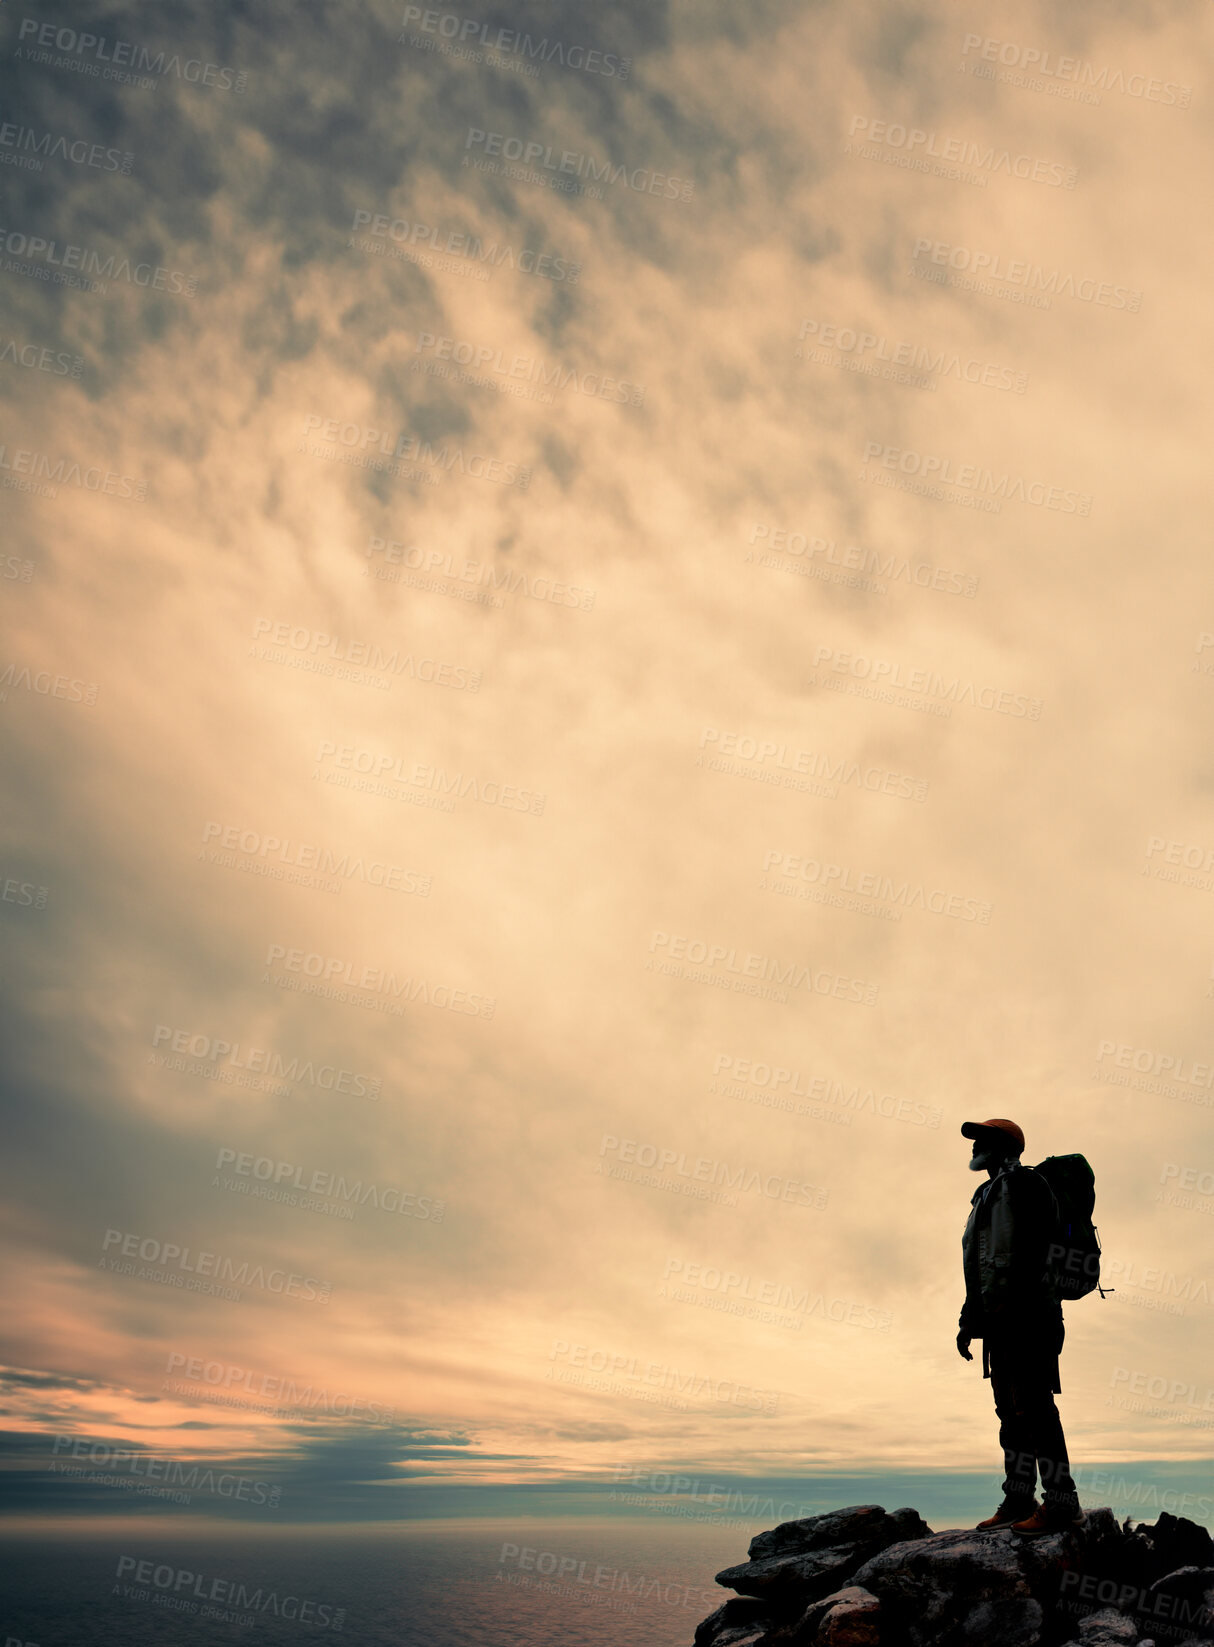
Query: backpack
[[1074, 1253]]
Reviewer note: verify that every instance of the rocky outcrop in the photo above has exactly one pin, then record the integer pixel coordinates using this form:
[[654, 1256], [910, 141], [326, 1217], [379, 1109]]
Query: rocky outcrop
[[804, 1560], [862, 1577], [956, 1587]]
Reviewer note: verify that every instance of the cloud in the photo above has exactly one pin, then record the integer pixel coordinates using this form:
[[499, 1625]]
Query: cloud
[[730, 675]]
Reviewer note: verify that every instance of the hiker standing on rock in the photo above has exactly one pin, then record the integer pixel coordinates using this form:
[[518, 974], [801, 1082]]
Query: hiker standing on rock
[[1012, 1304]]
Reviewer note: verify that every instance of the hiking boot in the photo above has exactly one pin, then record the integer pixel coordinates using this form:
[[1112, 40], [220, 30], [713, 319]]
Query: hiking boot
[[1050, 1518], [1008, 1513]]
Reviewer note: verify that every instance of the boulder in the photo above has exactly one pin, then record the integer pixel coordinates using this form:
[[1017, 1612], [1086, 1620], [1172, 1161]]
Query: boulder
[[860, 1577], [801, 1561], [736, 1623], [1106, 1628], [1152, 1551], [850, 1617], [962, 1589], [1044, 1561], [1178, 1542], [1185, 1600], [818, 1532], [855, 1621]]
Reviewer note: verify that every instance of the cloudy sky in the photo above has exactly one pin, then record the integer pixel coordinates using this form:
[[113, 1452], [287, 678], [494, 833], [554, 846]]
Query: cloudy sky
[[607, 633]]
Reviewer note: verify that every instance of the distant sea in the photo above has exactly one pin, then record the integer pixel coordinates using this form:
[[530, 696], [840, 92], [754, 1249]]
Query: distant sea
[[410, 1584], [546, 1567]]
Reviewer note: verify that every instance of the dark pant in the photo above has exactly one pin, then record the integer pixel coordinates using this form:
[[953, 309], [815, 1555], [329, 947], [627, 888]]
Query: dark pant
[[1024, 1377]]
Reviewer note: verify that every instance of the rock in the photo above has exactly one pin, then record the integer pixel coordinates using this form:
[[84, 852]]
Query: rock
[[800, 1561], [1178, 1542], [1046, 1561], [860, 1577], [796, 1578], [736, 1623], [815, 1532], [847, 1618], [1185, 1599], [854, 1622], [1104, 1543], [963, 1589], [1107, 1628], [1151, 1552]]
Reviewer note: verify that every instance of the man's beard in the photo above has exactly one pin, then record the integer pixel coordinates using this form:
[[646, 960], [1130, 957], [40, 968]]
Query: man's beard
[[981, 1161]]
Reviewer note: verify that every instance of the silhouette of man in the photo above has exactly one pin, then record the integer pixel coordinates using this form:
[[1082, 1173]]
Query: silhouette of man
[[1012, 1306]]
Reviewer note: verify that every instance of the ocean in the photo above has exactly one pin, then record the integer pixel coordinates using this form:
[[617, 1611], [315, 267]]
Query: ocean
[[485, 1583], [575, 1565]]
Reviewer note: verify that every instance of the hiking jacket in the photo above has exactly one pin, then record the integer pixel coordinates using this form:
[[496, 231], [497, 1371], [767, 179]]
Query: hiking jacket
[[1004, 1253]]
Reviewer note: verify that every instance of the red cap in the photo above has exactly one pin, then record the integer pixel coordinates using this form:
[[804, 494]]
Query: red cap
[[971, 1129]]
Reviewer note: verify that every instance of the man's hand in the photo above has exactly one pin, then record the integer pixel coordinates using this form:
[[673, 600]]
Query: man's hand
[[963, 1346]]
